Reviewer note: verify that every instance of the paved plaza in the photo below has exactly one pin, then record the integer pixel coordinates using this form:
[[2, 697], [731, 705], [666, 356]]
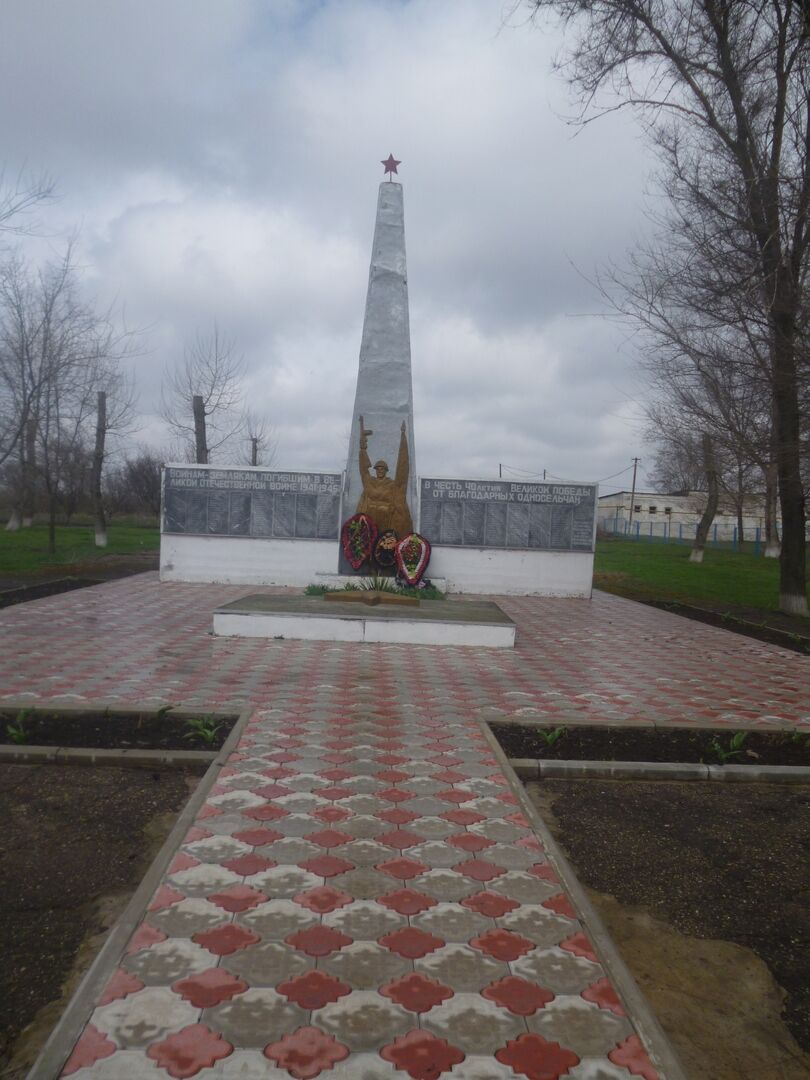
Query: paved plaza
[[365, 893]]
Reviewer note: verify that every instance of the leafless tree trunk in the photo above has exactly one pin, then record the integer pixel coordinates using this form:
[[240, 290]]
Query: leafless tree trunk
[[696, 555], [22, 480], [772, 542], [200, 443], [98, 464], [29, 474]]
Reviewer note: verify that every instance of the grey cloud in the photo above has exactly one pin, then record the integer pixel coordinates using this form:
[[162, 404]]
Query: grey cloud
[[223, 161]]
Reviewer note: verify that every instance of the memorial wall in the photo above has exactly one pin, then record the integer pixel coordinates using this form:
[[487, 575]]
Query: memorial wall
[[507, 514], [500, 537], [206, 501]]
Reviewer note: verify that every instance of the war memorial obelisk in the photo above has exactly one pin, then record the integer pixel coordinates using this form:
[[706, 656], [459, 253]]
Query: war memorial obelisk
[[384, 396]]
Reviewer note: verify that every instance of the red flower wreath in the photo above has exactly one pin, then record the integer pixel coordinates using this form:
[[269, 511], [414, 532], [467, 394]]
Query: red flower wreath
[[358, 536], [413, 556]]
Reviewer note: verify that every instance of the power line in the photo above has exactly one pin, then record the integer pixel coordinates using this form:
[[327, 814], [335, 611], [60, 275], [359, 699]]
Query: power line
[[562, 479], [613, 475]]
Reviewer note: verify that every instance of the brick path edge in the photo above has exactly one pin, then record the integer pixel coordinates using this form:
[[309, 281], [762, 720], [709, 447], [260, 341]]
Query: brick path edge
[[54, 1054], [541, 769], [649, 1029]]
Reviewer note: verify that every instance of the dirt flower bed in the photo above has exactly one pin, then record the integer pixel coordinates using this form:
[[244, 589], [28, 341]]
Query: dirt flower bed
[[74, 846], [648, 744], [679, 871], [116, 731]]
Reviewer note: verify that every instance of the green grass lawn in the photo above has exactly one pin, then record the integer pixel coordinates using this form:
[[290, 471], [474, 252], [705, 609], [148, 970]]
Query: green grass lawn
[[658, 571], [26, 551]]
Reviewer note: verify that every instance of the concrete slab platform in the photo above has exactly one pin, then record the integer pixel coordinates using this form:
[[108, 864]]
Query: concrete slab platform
[[313, 618]]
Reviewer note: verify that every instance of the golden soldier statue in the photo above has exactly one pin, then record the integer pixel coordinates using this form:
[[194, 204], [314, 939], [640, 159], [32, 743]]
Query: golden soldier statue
[[384, 499]]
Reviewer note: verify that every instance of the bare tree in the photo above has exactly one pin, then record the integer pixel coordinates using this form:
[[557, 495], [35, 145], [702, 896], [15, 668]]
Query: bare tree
[[261, 446], [723, 89], [676, 460], [202, 397], [134, 486], [58, 351], [710, 509], [19, 197], [115, 406]]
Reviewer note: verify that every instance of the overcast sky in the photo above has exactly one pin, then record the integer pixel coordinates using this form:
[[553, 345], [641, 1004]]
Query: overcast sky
[[221, 160]]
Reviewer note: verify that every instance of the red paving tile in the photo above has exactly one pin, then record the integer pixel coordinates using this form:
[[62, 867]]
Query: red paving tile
[[384, 827], [313, 990], [417, 993], [306, 1053], [518, 995], [536, 1058], [186, 1052], [422, 1055], [209, 988]]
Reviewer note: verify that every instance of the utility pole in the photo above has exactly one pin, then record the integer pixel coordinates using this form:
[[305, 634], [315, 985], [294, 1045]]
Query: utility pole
[[633, 492], [500, 471]]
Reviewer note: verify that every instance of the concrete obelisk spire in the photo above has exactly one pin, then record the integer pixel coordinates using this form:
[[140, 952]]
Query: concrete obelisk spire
[[384, 396]]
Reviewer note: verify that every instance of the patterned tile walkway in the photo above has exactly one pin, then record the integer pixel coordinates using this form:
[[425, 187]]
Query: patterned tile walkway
[[362, 894], [602, 661]]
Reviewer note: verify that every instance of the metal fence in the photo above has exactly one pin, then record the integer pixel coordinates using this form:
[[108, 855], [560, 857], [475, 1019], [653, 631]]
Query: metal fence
[[668, 532]]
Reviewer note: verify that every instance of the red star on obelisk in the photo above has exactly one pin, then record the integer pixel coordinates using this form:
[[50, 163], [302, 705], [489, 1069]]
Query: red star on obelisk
[[390, 165]]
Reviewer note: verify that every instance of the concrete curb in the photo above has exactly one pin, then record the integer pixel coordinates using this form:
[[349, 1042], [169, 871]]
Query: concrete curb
[[112, 706], [539, 769], [57, 1049], [636, 1005], [13, 754]]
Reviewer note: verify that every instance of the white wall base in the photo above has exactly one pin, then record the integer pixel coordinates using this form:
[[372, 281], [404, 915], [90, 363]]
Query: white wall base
[[244, 560], [499, 572], [401, 631], [488, 571]]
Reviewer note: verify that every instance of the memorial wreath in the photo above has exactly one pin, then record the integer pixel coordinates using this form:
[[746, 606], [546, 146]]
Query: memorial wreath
[[385, 550], [358, 536], [413, 556]]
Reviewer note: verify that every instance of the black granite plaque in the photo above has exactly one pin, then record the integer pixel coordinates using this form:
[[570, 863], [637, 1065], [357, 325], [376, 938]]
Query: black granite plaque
[[539, 526], [328, 512], [560, 527], [284, 514], [473, 524], [495, 525], [452, 523], [239, 520], [262, 523], [174, 511], [305, 516], [205, 500], [507, 514], [517, 525], [196, 512], [431, 517], [218, 507]]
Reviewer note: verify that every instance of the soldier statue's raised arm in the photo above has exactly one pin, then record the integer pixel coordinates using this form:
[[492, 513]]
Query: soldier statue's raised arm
[[383, 499]]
